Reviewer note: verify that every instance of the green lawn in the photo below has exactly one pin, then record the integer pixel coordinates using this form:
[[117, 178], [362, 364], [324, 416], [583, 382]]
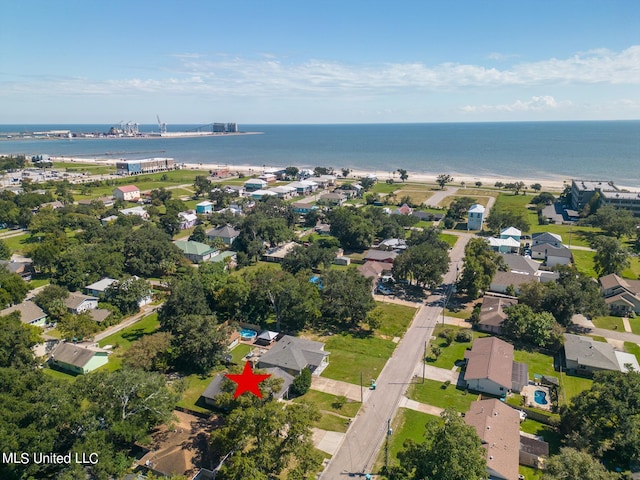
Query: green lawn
[[125, 337], [352, 356], [19, 243], [454, 352], [432, 393], [408, 425], [542, 364], [418, 197], [93, 168], [632, 348], [550, 435], [324, 401], [58, 374], [239, 352], [449, 238], [633, 272], [395, 320], [609, 322], [571, 234], [530, 473], [196, 384], [583, 260], [384, 187], [635, 325]]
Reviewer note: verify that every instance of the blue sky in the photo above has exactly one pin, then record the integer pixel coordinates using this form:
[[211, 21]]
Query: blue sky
[[319, 62]]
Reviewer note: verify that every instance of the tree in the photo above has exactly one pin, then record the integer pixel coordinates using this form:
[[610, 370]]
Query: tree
[[544, 198], [317, 171], [51, 300], [198, 342], [367, 182], [478, 184], [202, 185], [77, 326], [307, 258], [615, 221], [403, 174], [499, 185], [451, 450], [264, 439], [425, 263], [150, 353], [5, 252], [146, 249], [128, 401], [459, 208], [345, 172], [198, 234], [301, 383], [353, 230], [524, 325], [572, 463], [12, 288], [443, 179], [517, 187], [127, 294], [16, 341], [611, 256], [291, 172], [501, 218], [188, 297], [479, 266], [536, 187], [603, 420], [346, 298]]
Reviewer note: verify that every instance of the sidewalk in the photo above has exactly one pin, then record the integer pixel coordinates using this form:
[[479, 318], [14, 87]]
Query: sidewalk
[[336, 387], [420, 407]]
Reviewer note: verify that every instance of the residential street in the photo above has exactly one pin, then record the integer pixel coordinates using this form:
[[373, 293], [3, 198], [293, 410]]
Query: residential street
[[366, 435]]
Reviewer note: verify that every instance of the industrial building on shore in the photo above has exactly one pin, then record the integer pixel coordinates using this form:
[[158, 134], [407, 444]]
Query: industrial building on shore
[[146, 165]]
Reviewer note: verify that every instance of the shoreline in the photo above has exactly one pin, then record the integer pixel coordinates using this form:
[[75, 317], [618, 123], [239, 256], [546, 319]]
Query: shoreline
[[488, 180]]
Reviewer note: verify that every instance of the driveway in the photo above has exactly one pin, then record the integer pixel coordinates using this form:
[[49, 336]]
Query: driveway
[[439, 195]]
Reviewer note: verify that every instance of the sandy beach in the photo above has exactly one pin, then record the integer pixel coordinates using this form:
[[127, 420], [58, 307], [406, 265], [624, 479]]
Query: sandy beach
[[470, 180]]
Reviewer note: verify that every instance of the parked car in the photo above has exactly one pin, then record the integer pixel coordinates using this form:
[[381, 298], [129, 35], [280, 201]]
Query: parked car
[[384, 290]]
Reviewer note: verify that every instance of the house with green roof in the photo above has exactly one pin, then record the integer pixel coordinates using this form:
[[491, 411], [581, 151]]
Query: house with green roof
[[195, 251]]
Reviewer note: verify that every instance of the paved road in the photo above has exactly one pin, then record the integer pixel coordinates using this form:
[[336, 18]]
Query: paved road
[[440, 195], [365, 436]]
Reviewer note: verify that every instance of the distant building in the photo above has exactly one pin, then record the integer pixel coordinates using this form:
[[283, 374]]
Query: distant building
[[77, 302], [582, 191], [475, 217], [138, 211], [278, 253], [254, 184], [195, 251], [187, 220], [204, 207], [127, 193], [511, 232], [147, 165], [98, 289], [226, 233], [621, 295]]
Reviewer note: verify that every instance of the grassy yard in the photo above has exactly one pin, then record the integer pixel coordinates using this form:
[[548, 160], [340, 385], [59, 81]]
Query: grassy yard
[[452, 353], [632, 348], [239, 352], [196, 384], [408, 425], [432, 393], [122, 340], [571, 234], [58, 374], [332, 418], [584, 262], [449, 238], [530, 473], [446, 202], [551, 436], [395, 320], [18, 244], [635, 325], [352, 356], [609, 322], [418, 197]]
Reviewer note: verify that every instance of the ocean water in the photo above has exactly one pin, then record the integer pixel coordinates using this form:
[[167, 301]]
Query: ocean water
[[545, 150]]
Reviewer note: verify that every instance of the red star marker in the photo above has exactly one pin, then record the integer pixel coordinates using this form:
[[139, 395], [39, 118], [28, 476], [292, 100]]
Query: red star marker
[[247, 381]]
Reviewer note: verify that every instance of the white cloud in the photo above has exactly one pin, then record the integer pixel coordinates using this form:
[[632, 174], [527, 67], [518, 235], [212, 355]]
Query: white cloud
[[535, 104], [270, 75]]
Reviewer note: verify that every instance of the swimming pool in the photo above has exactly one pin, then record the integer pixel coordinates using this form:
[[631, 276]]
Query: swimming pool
[[540, 397], [247, 334]]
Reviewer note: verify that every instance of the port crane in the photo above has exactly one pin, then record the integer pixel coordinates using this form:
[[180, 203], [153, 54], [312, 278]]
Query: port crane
[[161, 125]]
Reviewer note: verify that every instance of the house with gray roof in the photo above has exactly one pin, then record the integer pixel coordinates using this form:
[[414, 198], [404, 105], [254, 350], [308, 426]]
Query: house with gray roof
[[503, 280], [24, 268], [546, 238], [97, 289], [216, 386], [621, 295], [226, 233], [77, 359], [585, 355], [30, 313], [520, 264], [293, 354], [552, 255], [77, 302]]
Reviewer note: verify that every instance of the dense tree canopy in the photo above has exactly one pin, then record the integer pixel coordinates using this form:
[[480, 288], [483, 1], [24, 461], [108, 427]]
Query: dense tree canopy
[[479, 266], [604, 419], [12, 288], [615, 221], [572, 463], [451, 450], [354, 231], [524, 325], [611, 256], [346, 298]]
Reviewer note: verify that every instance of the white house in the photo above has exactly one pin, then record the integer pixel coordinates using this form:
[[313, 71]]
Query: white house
[[138, 211], [78, 302], [254, 184], [128, 193], [475, 217], [511, 232], [187, 220]]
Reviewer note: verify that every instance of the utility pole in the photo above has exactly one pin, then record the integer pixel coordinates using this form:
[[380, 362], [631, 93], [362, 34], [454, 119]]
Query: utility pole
[[386, 446], [361, 391], [424, 360]]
